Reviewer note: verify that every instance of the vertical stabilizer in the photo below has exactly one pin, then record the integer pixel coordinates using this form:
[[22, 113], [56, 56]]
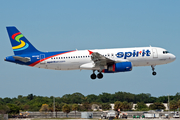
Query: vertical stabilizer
[[20, 44]]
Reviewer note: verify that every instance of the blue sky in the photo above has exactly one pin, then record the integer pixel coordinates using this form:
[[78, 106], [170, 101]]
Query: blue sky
[[67, 25]]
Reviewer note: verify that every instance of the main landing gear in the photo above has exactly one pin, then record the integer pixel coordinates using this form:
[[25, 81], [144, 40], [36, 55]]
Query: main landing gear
[[153, 73], [99, 75]]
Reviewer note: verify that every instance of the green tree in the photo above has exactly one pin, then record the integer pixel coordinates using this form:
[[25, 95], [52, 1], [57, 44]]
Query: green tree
[[74, 108], [178, 103], [30, 96], [118, 105], [106, 106], [7, 100], [127, 106], [60, 106], [4, 109], [123, 96], [66, 98], [77, 98], [142, 97], [92, 98], [66, 109], [141, 106], [26, 107], [163, 99], [157, 105], [173, 105], [44, 108], [177, 96], [14, 109], [86, 106], [105, 97]]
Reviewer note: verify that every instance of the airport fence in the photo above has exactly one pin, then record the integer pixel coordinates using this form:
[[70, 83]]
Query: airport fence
[[72, 114], [58, 114]]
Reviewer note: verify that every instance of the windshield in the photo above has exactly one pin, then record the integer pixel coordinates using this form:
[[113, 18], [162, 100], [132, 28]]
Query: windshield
[[165, 52]]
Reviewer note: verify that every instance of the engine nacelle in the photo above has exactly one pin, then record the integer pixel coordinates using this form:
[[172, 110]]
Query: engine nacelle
[[119, 67]]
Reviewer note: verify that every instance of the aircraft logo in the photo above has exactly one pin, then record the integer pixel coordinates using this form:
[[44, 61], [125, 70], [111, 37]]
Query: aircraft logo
[[22, 44], [134, 54]]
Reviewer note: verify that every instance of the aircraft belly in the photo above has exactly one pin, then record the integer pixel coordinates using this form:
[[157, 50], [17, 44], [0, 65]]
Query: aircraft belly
[[148, 62]]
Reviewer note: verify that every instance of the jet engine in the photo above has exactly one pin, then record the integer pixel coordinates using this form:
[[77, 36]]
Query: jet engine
[[118, 67]]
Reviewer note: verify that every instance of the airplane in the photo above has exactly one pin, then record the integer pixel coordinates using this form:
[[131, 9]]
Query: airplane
[[101, 60]]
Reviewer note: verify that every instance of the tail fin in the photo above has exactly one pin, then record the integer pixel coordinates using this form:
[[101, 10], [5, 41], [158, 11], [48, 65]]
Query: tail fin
[[20, 44]]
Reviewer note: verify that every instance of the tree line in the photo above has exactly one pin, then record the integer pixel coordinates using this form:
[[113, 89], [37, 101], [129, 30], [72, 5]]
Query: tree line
[[34, 103]]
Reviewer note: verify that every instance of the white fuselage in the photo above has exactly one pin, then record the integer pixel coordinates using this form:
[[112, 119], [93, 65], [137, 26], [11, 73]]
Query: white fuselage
[[140, 56]]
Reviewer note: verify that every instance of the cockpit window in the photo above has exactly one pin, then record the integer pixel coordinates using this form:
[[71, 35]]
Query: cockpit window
[[165, 52]]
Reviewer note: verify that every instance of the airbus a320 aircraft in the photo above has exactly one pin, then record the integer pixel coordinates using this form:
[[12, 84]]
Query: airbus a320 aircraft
[[101, 60]]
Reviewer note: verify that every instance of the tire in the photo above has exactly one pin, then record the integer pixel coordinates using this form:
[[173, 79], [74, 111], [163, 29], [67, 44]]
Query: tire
[[154, 73]]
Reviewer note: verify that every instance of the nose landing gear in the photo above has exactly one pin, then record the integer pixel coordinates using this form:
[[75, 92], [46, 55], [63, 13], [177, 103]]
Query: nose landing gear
[[153, 73], [99, 75]]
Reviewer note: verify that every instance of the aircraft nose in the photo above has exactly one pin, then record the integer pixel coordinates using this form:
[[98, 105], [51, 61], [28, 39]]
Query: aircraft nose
[[173, 57]]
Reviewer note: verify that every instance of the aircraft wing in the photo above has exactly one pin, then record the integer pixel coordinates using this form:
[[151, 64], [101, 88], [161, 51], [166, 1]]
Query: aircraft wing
[[101, 60], [23, 59]]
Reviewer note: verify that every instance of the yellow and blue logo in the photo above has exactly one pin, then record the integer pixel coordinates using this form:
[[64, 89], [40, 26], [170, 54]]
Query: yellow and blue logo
[[23, 45]]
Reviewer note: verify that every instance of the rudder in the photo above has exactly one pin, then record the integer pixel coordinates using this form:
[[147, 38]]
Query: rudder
[[20, 44]]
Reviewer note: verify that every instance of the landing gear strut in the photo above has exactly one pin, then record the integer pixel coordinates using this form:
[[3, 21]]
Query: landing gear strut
[[153, 73], [99, 75]]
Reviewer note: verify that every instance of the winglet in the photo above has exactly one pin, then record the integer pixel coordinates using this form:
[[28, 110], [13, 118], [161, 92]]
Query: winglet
[[90, 52]]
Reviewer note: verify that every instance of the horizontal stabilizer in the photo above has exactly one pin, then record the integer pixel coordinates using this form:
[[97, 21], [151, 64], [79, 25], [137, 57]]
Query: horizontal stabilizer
[[23, 59]]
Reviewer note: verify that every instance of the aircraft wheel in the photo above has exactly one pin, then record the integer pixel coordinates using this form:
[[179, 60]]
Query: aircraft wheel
[[100, 75], [153, 73], [93, 76]]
